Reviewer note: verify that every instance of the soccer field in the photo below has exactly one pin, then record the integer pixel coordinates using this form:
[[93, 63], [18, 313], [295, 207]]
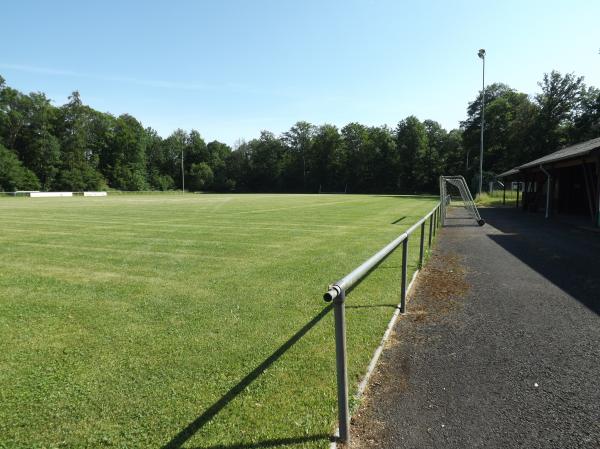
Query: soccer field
[[196, 321]]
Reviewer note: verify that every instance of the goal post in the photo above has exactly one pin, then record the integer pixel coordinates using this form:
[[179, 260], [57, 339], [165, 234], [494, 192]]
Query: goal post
[[459, 184]]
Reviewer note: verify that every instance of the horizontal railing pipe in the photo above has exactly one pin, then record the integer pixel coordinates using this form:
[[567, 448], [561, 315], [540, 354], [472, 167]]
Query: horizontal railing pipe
[[348, 281], [337, 293]]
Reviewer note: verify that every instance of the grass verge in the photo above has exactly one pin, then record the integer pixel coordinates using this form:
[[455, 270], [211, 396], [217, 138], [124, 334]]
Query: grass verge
[[187, 320]]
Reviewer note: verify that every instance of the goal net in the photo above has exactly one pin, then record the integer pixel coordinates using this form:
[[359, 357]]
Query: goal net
[[457, 186]]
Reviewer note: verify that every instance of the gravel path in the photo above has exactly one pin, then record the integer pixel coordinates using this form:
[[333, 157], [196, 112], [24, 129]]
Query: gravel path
[[501, 345]]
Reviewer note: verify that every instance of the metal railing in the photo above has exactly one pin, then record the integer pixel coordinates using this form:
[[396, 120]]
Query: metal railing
[[337, 293]]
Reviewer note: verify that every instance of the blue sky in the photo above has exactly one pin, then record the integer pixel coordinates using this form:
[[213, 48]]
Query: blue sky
[[232, 68]]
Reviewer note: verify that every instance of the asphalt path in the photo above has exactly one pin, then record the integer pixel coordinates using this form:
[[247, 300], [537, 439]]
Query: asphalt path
[[501, 344]]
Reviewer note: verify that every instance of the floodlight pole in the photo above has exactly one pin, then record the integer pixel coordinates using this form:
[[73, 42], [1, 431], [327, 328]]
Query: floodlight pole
[[182, 174], [481, 54]]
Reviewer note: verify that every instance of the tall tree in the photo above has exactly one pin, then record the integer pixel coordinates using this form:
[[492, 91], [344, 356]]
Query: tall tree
[[359, 157], [385, 160], [411, 141], [266, 162], [79, 164], [558, 102], [586, 124], [436, 139], [453, 154], [299, 140], [75, 147], [195, 149], [38, 147], [157, 162], [13, 176], [13, 114], [327, 160], [126, 157], [174, 148], [218, 154], [510, 124]]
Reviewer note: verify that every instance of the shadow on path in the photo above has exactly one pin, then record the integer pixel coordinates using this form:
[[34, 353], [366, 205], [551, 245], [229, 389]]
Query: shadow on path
[[214, 409], [564, 255]]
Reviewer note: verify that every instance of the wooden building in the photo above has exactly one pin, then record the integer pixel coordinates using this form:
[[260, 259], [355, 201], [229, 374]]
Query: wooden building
[[564, 182]]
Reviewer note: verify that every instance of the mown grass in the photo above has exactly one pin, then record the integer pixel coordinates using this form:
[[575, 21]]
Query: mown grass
[[497, 199], [186, 320]]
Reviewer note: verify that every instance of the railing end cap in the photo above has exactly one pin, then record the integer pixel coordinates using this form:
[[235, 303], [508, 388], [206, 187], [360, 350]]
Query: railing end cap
[[332, 293]]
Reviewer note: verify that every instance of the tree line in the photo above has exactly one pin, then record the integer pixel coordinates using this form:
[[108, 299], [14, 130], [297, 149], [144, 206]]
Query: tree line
[[74, 147]]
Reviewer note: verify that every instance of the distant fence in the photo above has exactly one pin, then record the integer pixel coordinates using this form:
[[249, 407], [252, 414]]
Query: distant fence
[[38, 194], [508, 192], [337, 293], [145, 192], [102, 193]]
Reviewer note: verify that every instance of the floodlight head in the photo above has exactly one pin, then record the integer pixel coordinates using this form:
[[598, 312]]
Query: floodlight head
[[481, 53]]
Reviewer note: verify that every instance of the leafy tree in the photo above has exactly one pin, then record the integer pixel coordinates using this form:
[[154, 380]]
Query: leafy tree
[[238, 167], [386, 159], [79, 164], [13, 176], [75, 147], [125, 158], [299, 140], [13, 114], [411, 141], [38, 147], [174, 147], [510, 127], [453, 154], [433, 158], [266, 163], [558, 104], [359, 157], [195, 150], [327, 160], [201, 176], [218, 154], [587, 122], [156, 162]]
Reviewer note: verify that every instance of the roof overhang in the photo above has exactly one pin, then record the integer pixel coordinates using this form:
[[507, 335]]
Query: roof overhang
[[576, 152], [508, 173]]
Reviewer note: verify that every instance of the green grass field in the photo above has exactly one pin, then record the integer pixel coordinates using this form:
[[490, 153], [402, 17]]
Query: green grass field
[[191, 321], [497, 199]]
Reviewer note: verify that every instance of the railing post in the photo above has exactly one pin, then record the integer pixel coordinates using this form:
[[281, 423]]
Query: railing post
[[430, 228], [443, 211], [434, 222], [341, 366], [422, 244], [404, 264]]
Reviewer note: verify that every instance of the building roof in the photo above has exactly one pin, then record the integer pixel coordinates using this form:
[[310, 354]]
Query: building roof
[[581, 149], [508, 173], [578, 150]]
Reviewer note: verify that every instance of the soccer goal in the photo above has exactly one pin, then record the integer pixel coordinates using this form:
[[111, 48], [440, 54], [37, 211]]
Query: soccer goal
[[457, 184]]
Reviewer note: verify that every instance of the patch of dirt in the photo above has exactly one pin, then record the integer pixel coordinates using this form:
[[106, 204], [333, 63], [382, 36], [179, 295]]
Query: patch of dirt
[[438, 290]]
